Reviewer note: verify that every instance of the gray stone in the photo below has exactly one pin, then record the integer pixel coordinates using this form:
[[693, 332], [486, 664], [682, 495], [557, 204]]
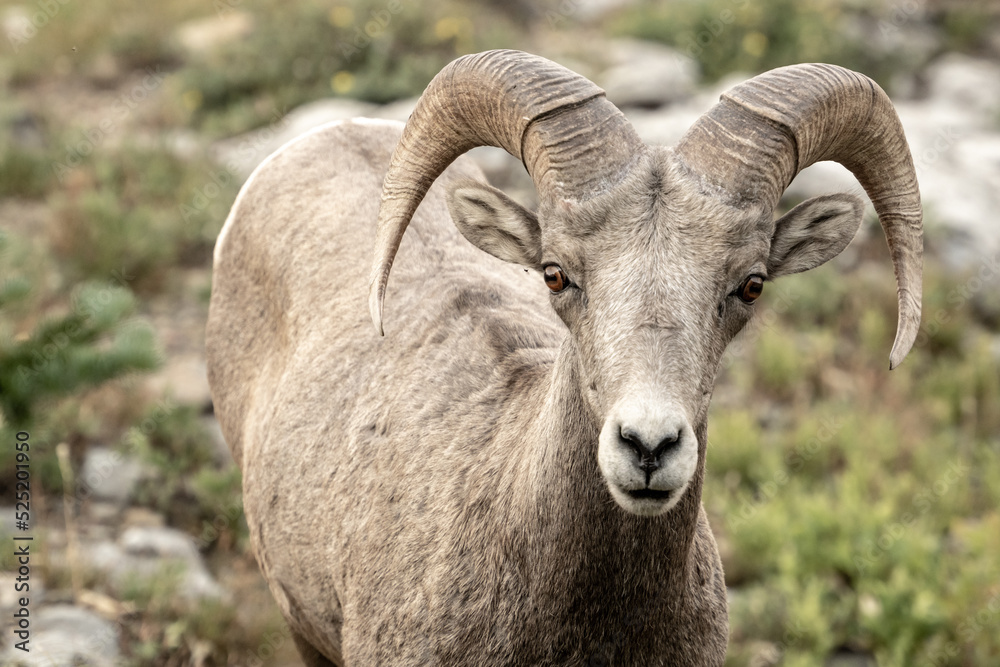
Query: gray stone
[[962, 81], [220, 450], [646, 74], [144, 552], [956, 152], [109, 475], [957, 156], [846, 658], [16, 24], [200, 36], [67, 636], [507, 173], [399, 110], [7, 522], [185, 378], [903, 34], [241, 154], [158, 543], [9, 596], [589, 10], [104, 513], [666, 125]]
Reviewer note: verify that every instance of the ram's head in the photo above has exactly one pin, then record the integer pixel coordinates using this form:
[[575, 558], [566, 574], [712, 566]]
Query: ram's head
[[655, 256]]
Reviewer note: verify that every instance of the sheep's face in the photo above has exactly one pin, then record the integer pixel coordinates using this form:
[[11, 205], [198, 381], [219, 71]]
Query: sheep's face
[[653, 279]]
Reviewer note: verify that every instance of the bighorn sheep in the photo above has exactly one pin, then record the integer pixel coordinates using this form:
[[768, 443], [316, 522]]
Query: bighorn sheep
[[508, 478]]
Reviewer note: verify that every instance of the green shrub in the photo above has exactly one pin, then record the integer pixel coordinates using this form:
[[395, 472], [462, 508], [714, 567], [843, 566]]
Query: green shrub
[[366, 49], [23, 173], [132, 35], [65, 354], [861, 514], [54, 348], [190, 487], [144, 211]]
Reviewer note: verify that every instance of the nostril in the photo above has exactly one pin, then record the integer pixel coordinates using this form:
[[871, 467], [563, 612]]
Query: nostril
[[649, 457], [669, 443], [632, 439]]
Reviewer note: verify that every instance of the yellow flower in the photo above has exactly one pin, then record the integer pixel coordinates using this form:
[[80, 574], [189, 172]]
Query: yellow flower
[[447, 28], [341, 16], [755, 44], [342, 82]]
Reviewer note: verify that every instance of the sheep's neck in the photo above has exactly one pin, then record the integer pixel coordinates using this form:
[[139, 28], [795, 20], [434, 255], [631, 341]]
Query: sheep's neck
[[580, 544]]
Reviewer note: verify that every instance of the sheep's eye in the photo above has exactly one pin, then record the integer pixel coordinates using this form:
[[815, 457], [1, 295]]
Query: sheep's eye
[[751, 289], [555, 278]]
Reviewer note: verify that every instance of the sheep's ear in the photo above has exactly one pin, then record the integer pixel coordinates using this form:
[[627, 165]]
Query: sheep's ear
[[813, 233], [495, 223]]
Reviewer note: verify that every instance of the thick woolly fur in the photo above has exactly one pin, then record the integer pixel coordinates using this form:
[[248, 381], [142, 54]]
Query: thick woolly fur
[[444, 495]]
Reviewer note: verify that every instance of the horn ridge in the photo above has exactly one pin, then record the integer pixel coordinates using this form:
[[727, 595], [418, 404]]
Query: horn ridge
[[522, 103], [764, 131]]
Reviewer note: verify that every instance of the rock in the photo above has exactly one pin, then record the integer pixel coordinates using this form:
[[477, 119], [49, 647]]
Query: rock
[[185, 378], [506, 172], [399, 110], [183, 143], [145, 551], [143, 517], [67, 636], [903, 36], [26, 131], [763, 653], [956, 152], [957, 157], [965, 82], [158, 543], [104, 70], [109, 475], [7, 521], [220, 450], [9, 596], [666, 125], [823, 178], [588, 10], [16, 24], [104, 513], [200, 36], [847, 658], [645, 74], [241, 154]]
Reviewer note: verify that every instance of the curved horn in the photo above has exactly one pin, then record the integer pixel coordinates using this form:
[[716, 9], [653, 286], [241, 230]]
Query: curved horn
[[763, 132], [536, 110]]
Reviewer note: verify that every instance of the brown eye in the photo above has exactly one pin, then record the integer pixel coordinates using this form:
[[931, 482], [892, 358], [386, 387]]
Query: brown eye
[[555, 278], [751, 289]]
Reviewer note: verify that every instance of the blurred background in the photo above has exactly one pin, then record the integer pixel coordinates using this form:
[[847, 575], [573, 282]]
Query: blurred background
[[856, 510]]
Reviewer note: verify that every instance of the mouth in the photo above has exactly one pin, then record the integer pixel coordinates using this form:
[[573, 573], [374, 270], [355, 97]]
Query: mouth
[[650, 494]]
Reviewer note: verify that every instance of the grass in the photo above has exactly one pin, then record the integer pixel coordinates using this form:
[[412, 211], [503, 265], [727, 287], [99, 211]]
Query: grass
[[857, 507], [190, 489], [725, 36], [133, 214], [370, 50]]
